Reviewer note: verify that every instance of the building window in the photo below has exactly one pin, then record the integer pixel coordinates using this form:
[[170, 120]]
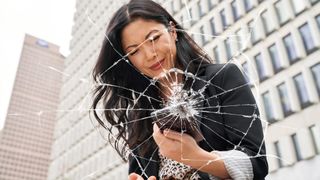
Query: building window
[[284, 99], [235, 11], [296, 147], [283, 16], [213, 29], [172, 7], [267, 23], [302, 90], [318, 20], [275, 58], [223, 19], [239, 38], [290, 48], [315, 136], [307, 38], [181, 20], [42, 43], [210, 4], [228, 48], [190, 14], [202, 34], [245, 67], [314, 1], [316, 76], [260, 67], [201, 12], [298, 6], [268, 107], [253, 32], [278, 153], [248, 5], [216, 54], [180, 5]]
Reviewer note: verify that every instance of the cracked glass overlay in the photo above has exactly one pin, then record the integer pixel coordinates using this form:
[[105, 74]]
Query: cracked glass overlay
[[182, 104]]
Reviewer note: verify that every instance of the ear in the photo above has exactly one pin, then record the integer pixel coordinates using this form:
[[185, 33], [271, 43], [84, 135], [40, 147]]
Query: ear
[[172, 30]]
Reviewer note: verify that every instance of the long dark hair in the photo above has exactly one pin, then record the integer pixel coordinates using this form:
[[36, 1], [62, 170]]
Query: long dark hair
[[117, 80]]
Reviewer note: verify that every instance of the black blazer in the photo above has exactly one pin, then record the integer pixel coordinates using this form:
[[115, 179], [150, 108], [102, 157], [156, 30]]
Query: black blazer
[[235, 125]]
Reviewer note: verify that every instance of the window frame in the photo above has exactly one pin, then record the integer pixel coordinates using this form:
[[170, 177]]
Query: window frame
[[212, 26], [294, 6], [284, 95], [307, 36], [235, 10], [296, 146], [201, 11], [268, 108], [316, 78], [247, 2], [278, 11], [203, 38], [315, 141], [277, 54], [278, 153], [260, 67], [290, 48], [224, 20], [299, 90]]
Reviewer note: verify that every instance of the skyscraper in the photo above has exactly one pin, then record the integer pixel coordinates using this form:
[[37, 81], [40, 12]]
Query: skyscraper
[[26, 138], [275, 41]]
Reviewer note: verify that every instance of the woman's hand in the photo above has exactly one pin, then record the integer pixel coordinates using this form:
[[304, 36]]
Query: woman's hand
[[134, 176], [183, 148], [180, 147]]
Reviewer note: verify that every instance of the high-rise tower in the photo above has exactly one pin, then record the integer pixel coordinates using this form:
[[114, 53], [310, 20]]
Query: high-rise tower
[[27, 136]]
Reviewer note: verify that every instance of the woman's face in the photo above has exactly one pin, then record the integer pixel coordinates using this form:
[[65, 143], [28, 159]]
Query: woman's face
[[150, 46]]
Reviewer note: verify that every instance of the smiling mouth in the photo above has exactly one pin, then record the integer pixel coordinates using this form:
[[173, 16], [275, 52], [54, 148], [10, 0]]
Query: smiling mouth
[[157, 65]]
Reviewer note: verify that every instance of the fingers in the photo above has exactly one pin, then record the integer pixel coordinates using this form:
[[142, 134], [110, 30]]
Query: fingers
[[172, 135], [156, 128], [161, 139], [167, 135], [157, 135], [134, 176], [152, 178]]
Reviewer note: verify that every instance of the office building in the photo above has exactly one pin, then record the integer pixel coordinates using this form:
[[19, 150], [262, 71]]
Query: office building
[[27, 136]]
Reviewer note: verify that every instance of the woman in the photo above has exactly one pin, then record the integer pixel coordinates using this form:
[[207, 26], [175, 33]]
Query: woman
[[145, 56]]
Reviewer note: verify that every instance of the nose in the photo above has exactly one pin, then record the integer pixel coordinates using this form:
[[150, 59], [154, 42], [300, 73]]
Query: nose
[[150, 53]]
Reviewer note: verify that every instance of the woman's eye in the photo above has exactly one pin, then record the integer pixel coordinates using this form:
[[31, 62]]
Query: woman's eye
[[133, 52], [155, 37]]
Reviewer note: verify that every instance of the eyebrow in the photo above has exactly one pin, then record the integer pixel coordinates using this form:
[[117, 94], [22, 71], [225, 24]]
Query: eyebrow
[[146, 37]]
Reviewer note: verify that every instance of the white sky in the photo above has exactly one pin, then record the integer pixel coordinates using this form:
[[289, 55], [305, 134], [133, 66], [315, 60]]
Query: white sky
[[50, 20]]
